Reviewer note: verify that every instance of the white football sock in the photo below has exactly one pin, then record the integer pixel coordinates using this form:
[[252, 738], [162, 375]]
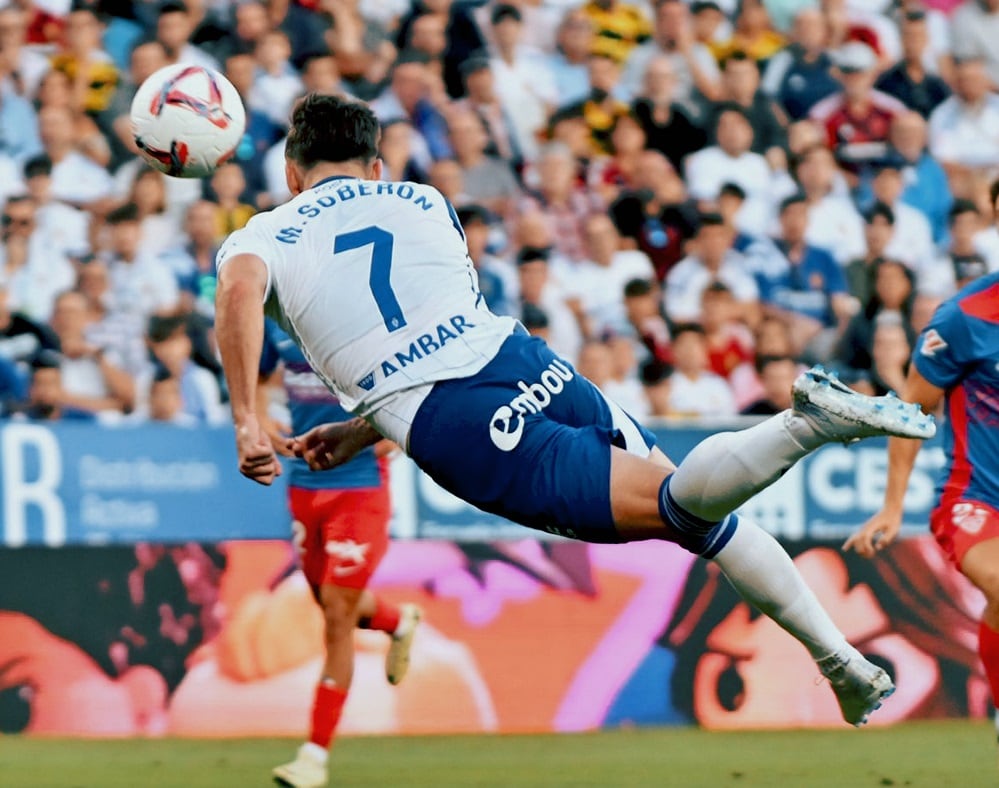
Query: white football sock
[[725, 470], [764, 575]]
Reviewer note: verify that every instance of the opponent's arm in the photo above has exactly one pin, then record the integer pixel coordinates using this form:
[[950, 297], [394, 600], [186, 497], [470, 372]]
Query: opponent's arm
[[881, 530], [239, 329], [333, 444]]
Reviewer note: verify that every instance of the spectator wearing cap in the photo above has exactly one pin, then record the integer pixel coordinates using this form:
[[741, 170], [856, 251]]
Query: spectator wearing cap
[[568, 63], [93, 378], [926, 185], [497, 277], [667, 123], [912, 242], [731, 159], [754, 34], [656, 217], [694, 67], [524, 82], [964, 129], [711, 259], [140, 283], [76, 179], [482, 99], [974, 33], [696, 391], [488, 180], [174, 26], [801, 284], [67, 227], [462, 35], [91, 70], [618, 27], [600, 109], [910, 80], [833, 222], [537, 287], [879, 228], [45, 393], [858, 118], [800, 75], [33, 267], [777, 375], [407, 96], [741, 86]]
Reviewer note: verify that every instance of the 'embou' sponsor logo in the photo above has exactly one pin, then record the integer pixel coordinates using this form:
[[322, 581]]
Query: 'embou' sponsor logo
[[507, 424], [426, 344]]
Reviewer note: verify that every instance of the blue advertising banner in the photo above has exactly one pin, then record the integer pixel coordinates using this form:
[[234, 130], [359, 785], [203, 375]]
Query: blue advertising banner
[[85, 484]]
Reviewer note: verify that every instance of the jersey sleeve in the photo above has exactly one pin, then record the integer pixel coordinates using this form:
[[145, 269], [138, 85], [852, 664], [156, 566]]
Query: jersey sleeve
[[249, 240], [942, 349], [269, 358]]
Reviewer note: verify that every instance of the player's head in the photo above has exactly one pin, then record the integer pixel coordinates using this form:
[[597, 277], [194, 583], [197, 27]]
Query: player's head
[[330, 135]]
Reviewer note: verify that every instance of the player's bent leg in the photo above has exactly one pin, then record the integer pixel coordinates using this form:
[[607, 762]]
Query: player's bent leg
[[399, 623], [980, 564]]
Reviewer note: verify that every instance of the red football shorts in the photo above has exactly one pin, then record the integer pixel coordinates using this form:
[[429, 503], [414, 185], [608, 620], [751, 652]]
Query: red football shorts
[[960, 525], [341, 535]]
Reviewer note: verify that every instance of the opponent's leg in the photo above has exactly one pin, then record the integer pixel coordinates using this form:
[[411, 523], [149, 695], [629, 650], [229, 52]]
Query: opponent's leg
[[400, 623], [981, 566]]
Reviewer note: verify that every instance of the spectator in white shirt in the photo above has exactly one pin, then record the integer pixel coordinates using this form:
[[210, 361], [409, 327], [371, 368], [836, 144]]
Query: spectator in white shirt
[[537, 288], [833, 222], [488, 180], [712, 259], [174, 26], [974, 33], [140, 283], [523, 80], [964, 129], [568, 62], [732, 161], [65, 226], [912, 240], [75, 178], [276, 84], [695, 391], [697, 76]]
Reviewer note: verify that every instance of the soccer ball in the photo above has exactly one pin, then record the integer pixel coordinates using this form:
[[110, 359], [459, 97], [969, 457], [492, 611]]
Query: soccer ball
[[187, 120]]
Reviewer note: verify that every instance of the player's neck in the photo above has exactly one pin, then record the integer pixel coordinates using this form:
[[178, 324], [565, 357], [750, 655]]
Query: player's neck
[[326, 170]]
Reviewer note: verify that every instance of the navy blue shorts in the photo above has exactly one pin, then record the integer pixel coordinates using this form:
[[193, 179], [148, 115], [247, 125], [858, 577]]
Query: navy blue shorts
[[527, 438]]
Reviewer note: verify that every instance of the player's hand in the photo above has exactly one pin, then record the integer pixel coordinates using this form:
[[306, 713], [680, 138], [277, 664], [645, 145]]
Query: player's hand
[[257, 460], [279, 435], [330, 445], [875, 535]]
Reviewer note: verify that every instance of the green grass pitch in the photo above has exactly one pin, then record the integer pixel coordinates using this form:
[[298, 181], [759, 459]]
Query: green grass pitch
[[915, 754]]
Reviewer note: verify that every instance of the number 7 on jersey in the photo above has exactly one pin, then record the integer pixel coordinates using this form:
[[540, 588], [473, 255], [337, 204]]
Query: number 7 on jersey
[[381, 268]]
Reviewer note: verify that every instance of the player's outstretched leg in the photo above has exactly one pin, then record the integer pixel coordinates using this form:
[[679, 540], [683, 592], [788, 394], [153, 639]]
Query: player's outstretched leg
[[727, 469]]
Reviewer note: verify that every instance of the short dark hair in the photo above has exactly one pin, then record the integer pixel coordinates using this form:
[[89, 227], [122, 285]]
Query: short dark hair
[[129, 212], [994, 192], [797, 198], [331, 128], [688, 328], [473, 212], [762, 362], [738, 56], [46, 359], [961, 206], [172, 7], [710, 219], [505, 11], [637, 287], [162, 327], [38, 165], [731, 189], [530, 254], [533, 317], [879, 209]]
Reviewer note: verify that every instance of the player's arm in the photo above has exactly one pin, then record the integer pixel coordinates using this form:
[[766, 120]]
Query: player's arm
[[278, 432], [239, 329], [333, 444], [881, 530]]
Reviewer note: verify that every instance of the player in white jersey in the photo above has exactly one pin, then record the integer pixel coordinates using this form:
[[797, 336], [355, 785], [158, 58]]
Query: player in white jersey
[[374, 282]]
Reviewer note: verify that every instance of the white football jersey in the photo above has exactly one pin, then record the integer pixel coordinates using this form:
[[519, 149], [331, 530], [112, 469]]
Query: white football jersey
[[373, 280]]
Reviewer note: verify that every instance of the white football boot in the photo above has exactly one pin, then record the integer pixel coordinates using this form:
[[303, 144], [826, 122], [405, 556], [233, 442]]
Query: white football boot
[[839, 413], [860, 685], [306, 771], [397, 659]]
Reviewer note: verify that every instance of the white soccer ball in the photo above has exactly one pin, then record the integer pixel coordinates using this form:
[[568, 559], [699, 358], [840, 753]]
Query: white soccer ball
[[187, 120]]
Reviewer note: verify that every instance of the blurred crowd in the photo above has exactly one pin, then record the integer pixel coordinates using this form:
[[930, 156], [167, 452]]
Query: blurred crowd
[[687, 200]]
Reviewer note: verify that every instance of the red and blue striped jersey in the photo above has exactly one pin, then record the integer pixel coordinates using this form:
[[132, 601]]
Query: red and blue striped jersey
[[959, 352]]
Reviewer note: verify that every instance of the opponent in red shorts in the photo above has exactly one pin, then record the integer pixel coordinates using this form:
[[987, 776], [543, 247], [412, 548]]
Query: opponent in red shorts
[[957, 358], [340, 526]]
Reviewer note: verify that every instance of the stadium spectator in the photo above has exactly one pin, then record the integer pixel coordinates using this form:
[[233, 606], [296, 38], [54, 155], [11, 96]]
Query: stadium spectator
[[858, 118], [145, 59], [140, 283], [448, 178], [695, 391], [568, 64], [891, 350], [643, 307], [668, 126], [463, 35], [482, 99], [741, 86], [617, 27], [711, 259], [21, 339], [117, 329], [909, 80], [497, 278], [695, 68], [160, 227], [32, 265], [76, 179], [777, 374], [624, 387], [537, 288], [66, 227], [801, 284], [611, 175], [879, 229], [964, 129], [965, 244], [833, 221], [166, 401], [535, 320], [731, 199], [730, 342], [800, 75], [193, 261], [174, 26], [396, 152], [913, 239], [276, 84], [21, 66], [524, 83], [92, 73], [926, 184], [487, 180], [710, 23], [754, 35], [600, 109], [45, 393], [92, 377], [974, 31], [656, 386], [228, 184], [56, 90]]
